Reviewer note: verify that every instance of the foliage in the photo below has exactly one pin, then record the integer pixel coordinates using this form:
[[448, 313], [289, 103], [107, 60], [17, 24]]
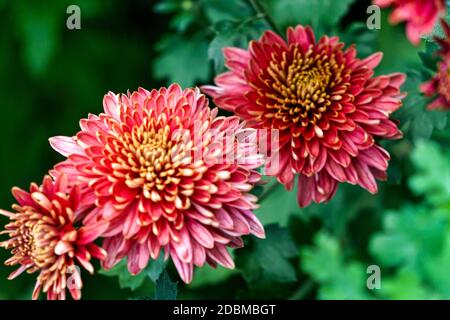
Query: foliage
[[165, 288], [315, 13], [412, 248], [53, 76], [277, 248]]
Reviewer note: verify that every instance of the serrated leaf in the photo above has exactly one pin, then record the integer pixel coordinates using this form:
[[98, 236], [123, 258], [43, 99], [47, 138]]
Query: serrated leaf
[[182, 60], [406, 284], [156, 268], [267, 260], [409, 236], [436, 269], [165, 288], [416, 121], [133, 282], [326, 252], [126, 279], [219, 10], [233, 34], [433, 181], [208, 275], [324, 262], [277, 204], [359, 35], [322, 15], [393, 249], [429, 57]]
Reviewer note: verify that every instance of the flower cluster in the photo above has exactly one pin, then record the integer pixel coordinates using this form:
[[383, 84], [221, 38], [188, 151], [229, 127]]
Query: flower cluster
[[160, 173], [138, 164]]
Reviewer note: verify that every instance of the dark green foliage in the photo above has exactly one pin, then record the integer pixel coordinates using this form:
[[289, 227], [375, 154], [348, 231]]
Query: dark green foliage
[[165, 288], [267, 260]]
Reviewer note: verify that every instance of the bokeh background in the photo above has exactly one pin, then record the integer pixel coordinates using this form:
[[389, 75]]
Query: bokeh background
[[51, 77]]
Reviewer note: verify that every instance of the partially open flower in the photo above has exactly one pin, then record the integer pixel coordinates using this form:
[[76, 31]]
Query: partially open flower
[[420, 15], [158, 166], [439, 85], [326, 104], [44, 237]]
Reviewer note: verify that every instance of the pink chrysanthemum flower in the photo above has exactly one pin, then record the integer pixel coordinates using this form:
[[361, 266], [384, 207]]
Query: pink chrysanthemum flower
[[420, 15], [439, 85], [44, 237], [152, 162], [325, 103]]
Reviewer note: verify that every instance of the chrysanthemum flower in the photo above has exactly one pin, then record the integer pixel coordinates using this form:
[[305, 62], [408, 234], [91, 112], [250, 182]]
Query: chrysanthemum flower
[[151, 162], [439, 85], [325, 103], [44, 237], [420, 15]]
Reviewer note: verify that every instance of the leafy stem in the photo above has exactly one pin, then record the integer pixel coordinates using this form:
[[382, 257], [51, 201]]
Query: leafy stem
[[259, 10]]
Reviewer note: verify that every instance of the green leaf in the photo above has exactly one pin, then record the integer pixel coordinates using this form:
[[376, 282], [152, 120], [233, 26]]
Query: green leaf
[[233, 34], [322, 15], [393, 44], [406, 284], [409, 237], [267, 260], [165, 288], [182, 60], [349, 284], [156, 267], [417, 122], [208, 275], [277, 204], [392, 250], [345, 206], [326, 252], [324, 262], [363, 38], [436, 269], [429, 57], [219, 10], [432, 181], [126, 279]]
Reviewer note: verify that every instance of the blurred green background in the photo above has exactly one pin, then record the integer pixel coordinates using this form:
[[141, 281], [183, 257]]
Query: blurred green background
[[52, 77]]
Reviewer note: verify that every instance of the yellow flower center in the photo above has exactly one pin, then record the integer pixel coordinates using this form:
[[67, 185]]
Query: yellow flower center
[[300, 85]]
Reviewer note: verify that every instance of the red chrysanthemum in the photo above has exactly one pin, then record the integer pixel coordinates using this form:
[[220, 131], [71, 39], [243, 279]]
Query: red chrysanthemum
[[44, 237], [325, 103], [155, 165], [439, 85], [420, 15]]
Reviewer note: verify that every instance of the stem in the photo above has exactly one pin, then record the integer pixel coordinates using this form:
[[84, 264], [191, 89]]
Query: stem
[[270, 187], [259, 9], [303, 291]]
